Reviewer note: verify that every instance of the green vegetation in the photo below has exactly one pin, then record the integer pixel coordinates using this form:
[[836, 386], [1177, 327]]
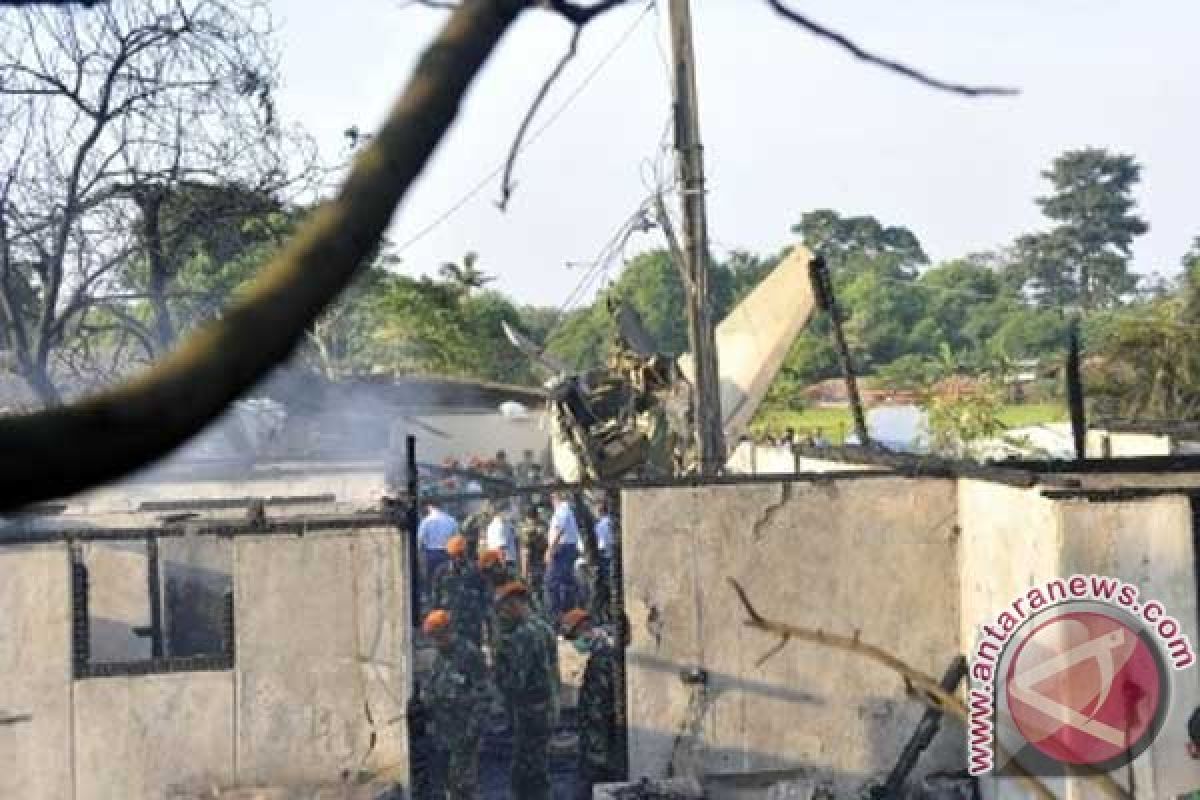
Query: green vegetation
[[836, 421], [910, 324], [1022, 416]]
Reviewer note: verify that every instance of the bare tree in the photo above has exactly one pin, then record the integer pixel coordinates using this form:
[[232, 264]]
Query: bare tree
[[115, 112]]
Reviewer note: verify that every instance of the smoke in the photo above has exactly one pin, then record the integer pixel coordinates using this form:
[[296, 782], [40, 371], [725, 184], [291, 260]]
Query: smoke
[[298, 417]]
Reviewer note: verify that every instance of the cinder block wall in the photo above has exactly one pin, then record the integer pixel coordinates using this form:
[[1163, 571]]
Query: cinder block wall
[[872, 554], [1014, 538], [35, 673], [318, 690], [1147, 542], [915, 565]]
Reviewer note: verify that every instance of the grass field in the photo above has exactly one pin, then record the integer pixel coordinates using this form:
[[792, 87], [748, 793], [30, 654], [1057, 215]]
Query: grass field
[[835, 422]]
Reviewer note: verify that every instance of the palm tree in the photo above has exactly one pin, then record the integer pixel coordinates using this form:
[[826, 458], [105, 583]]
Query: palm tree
[[465, 277]]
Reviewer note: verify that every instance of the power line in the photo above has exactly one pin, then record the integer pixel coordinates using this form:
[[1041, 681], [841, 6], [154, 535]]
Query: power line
[[533, 137]]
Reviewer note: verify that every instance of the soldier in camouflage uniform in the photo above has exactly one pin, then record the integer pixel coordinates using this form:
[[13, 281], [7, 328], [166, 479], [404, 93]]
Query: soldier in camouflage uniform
[[496, 572], [525, 675], [458, 695], [495, 569], [533, 548], [599, 759], [460, 589], [473, 528]]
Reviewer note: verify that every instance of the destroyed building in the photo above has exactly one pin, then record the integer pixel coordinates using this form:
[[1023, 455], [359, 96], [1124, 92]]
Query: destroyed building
[[289, 664]]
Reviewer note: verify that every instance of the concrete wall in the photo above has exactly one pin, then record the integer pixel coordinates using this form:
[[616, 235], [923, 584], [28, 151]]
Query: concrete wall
[[1149, 480], [318, 690], [1125, 445], [1149, 544], [809, 464], [35, 673], [1013, 539], [322, 662], [153, 736], [749, 458], [876, 555]]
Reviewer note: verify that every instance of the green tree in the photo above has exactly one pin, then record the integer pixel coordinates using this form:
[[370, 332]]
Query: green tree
[[491, 355], [651, 285], [1092, 202], [957, 424], [1191, 263], [911, 371], [580, 338], [1149, 362], [340, 342], [840, 239], [202, 242], [873, 266], [420, 328]]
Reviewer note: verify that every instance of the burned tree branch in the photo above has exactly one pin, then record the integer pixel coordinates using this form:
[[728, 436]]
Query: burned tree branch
[[580, 14], [922, 683], [134, 424], [506, 185], [858, 52], [917, 683]]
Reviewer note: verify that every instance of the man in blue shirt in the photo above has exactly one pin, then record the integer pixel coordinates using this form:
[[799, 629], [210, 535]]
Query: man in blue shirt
[[433, 534], [562, 548]]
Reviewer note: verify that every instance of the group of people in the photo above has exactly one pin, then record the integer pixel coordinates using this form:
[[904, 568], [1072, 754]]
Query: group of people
[[537, 544], [789, 438], [493, 588]]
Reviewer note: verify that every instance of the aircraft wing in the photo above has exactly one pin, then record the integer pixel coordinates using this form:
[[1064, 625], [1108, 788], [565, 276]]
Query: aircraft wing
[[753, 340], [531, 349]]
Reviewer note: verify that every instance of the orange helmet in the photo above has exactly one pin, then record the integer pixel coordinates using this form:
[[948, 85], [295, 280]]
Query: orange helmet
[[457, 546], [490, 558], [436, 620], [572, 620]]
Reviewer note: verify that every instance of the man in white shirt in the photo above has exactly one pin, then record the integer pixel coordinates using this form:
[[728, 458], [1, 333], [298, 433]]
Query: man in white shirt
[[605, 532], [433, 534], [562, 548], [501, 535]]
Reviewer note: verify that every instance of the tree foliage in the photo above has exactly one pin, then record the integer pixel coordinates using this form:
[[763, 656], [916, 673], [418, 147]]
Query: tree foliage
[[1083, 261]]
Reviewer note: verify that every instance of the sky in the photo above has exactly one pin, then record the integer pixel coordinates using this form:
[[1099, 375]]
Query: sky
[[789, 123]]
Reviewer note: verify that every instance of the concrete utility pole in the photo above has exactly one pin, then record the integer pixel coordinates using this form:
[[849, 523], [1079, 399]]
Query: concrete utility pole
[[710, 438]]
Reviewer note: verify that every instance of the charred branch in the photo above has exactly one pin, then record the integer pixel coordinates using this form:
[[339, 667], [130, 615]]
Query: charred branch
[[847, 44], [917, 684], [506, 185]]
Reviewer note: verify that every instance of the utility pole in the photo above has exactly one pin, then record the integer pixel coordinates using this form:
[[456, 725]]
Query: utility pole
[[710, 438]]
